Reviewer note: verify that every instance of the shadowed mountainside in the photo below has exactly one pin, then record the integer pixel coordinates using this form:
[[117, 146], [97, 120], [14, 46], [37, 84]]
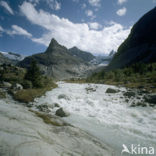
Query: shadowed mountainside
[[140, 46], [85, 56]]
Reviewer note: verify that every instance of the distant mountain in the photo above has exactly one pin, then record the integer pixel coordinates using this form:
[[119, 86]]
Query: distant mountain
[[112, 53], [4, 59], [85, 56], [13, 56], [10, 58], [140, 46], [103, 60], [58, 62]]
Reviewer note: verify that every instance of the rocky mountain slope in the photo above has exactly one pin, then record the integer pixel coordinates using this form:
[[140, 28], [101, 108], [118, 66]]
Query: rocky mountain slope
[[4, 59], [103, 60], [140, 46], [10, 58], [58, 62], [85, 56], [13, 56]]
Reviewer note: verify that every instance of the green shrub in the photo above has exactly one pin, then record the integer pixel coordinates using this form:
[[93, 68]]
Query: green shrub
[[131, 76], [34, 75], [27, 84], [28, 95]]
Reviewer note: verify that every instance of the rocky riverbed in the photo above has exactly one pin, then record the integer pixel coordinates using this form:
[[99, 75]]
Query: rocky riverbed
[[115, 115], [24, 132], [98, 120]]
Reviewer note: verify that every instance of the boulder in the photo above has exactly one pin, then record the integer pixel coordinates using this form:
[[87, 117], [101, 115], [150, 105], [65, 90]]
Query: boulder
[[56, 105], [129, 94], [90, 89], [127, 100], [6, 84], [30, 104], [144, 91], [141, 104], [17, 86], [63, 96], [111, 90], [141, 87], [150, 99], [43, 108], [60, 112]]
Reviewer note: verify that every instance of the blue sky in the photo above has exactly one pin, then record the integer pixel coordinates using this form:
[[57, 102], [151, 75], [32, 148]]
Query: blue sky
[[97, 26]]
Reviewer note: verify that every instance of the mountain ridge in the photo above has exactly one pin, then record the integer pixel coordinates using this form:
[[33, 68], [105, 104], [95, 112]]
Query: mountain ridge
[[58, 62], [140, 46], [85, 56]]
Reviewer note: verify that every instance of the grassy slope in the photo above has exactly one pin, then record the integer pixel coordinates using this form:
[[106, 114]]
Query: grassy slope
[[28, 95], [135, 76]]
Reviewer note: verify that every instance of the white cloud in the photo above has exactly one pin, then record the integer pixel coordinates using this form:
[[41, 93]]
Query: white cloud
[[121, 1], [90, 13], [75, 34], [34, 2], [53, 4], [122, 11], [94, 25], [95, 3], [1, 31], [7, 7], [16, 30]]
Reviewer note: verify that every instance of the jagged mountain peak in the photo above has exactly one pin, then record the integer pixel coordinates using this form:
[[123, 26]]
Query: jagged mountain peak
[[85, 56], [75, 48], [53, 42], [55, 46]]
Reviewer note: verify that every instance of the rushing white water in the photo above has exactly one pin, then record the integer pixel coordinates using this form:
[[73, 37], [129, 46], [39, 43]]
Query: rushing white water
[[107, 116]]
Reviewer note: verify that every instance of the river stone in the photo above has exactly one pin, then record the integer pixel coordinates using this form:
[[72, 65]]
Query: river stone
[[144, 91], [7, 84], [111, 90], [90, 89], [129, 94], [60, 112], [63, 96], [43, 108], [142, 104], [17, 86], [150, 99], [56, 105]]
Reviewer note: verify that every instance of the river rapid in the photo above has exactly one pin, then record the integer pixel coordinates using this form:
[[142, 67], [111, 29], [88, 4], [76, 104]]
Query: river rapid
[[106, 116]]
